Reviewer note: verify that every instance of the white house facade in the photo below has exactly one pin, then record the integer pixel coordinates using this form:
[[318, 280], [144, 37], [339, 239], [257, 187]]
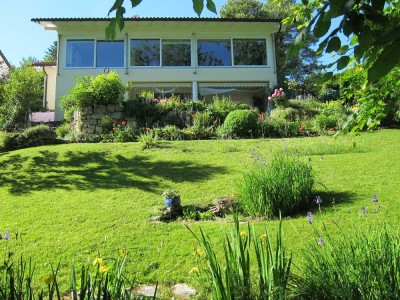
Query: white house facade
[[5, 66], [192, 57]]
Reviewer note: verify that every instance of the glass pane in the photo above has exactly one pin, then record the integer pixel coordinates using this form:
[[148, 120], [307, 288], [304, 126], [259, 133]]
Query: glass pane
[[176, 53], [110, 54], [80, 53], [214, 53], [145, 52], [250, 52]]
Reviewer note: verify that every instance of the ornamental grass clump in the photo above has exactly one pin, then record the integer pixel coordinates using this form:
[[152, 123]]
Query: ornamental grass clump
[[361, 265], [283, 184]]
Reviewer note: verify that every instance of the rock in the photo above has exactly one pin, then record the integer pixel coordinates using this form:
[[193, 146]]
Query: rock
[[183, 291], [146, 290], [116, 115], [87, 110], [99, 129], [100, 109], [114, 108]]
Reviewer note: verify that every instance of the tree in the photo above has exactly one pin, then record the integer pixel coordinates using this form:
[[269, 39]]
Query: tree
[[23, 93], [243, 9], [51, 53], [371, 26]]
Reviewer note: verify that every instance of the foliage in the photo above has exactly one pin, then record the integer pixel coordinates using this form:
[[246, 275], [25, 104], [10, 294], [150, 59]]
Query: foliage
[[23, 93], [283, 184], [145, 112], [279, 98], [241, 123], [243, 9], [62, 130], [197, 133], [219, 108], [103, 89], [51, 53], [122, 133], [170, 133], [107, 124], [372, 29], [234, 277], [170, 193], [357, 266], [202, 119], [149, 139]]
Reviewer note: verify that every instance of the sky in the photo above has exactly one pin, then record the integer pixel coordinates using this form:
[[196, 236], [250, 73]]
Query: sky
[[20, 38]]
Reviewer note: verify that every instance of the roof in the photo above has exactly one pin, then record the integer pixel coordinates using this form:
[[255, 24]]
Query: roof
[[5, 60], [163, 19], [44, 64]]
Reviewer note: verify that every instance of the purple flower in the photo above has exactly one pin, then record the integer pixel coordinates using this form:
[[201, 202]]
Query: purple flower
[[284, 149], [318, 200], [374, 198], [7, 235], [364, 211], [310, 218], [320, 241]]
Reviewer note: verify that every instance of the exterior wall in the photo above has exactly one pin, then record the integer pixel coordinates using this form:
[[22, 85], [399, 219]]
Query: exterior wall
[[4, 69], [179, 30], [51, 87]]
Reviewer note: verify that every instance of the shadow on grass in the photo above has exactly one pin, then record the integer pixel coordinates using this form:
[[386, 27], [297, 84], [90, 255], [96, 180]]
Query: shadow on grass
[[96, 170]]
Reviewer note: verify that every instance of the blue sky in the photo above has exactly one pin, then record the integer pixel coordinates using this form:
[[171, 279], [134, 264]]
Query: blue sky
[[21, 38]]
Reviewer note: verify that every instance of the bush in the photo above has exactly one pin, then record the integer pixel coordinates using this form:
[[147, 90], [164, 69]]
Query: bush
[[361, 266], [241, 123], [202, 119], [282, 185], [220, 108], [104, 89], [107, 124], [145, 112], [149, 139], [197, 133], [62, 130], [170, 132]]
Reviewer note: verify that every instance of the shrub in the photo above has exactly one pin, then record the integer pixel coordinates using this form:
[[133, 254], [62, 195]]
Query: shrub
[[193, 106], [145, 112], [170, 132], [202, 119], [149, 139], [282, 185], [124, 133], [236, 277], [197, 133], [241, 123], [360, 266], [221, 107], [107, 124], [104, 89], [62, 130]]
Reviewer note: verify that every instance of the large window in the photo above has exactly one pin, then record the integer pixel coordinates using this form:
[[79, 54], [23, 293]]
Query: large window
[[249, 52], [110, 54], [214, 53], [145, 52], [176, 53], [80, 53]]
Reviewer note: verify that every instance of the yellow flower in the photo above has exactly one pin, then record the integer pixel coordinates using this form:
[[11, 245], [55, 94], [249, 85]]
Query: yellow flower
[[103, 269], [199, 252], [48, 279], [243, 234], [194, 270], [122, 252], [98, 261], [263, 237]]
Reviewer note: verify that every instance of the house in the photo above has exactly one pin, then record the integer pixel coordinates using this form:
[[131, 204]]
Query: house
[[192, 57], [5, 66]]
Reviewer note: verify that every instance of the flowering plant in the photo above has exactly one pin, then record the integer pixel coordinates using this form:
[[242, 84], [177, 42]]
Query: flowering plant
[[278, 97], [170, 194]]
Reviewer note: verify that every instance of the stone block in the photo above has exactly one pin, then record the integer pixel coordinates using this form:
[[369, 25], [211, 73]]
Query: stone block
[[87, 111], [116, 115], [100, 109], [114, 108], [99, 129]]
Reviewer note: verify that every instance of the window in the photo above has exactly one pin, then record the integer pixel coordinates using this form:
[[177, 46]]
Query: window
[[110, 54], [80, 53], [249, 52], [214, 53], [176, 53], [145, 52]]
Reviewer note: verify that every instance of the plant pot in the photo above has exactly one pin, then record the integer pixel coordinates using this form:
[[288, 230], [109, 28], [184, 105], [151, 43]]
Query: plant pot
[[173, 202]]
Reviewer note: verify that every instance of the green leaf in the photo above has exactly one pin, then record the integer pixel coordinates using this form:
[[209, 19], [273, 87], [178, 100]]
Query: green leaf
[[135, 2], [211, 6], [120, 18], [378, 4], [388, 37], [333, 45], [110, 30], [117, 4], [354, 40], [295, 47], [198, 6], [322, 26], [327, 76], [343, 62], [386, 61]]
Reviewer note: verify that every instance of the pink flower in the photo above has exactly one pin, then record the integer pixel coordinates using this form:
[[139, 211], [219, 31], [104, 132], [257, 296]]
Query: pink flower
[[270, 98], [281, 89]]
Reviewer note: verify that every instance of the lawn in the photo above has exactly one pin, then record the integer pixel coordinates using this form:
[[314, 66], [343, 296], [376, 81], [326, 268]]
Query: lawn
[[78, 201]]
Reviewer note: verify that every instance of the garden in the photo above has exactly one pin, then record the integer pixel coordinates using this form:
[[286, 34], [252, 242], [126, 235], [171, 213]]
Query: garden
[[313, 213]]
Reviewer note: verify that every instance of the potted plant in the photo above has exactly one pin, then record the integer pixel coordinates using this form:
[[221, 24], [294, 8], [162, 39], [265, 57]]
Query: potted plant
[[172, 198]]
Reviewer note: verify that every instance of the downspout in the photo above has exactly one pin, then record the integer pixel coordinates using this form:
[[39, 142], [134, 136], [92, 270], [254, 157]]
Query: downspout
[[58, 54], [46, 76]]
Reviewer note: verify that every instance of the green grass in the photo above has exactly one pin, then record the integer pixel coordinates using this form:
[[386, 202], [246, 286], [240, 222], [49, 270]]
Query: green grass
[[72, 202]]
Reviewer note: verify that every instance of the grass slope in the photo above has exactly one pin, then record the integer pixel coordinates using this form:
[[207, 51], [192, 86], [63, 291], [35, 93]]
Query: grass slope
[[72, 202]]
